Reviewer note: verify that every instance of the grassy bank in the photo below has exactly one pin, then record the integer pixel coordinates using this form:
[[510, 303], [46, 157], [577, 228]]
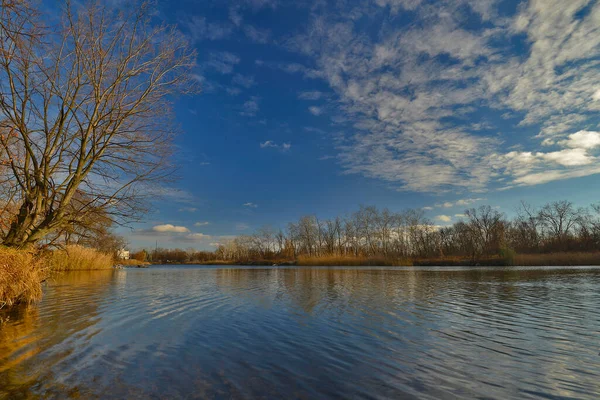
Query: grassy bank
[[22, 271]]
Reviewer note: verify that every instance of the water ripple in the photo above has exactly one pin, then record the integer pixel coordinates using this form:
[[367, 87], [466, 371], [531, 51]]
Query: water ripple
[[368, 333]]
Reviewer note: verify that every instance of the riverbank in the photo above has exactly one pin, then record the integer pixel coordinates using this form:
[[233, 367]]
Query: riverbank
[[131, 263], [511, 259], [22, 272]]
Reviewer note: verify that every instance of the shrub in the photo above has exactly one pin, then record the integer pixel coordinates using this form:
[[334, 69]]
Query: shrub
[[508, 255]]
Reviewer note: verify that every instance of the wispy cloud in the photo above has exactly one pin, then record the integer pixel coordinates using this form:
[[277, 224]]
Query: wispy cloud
[[274, 145], [242, 227], [456, 203], [257, 35], [202, 223], [245, 81], [222, 62], [443, 218], [174, 195], [314, 110], [414, 93], [310, 95], [251, 107], [200, 29], [188, 209], [250, 205]]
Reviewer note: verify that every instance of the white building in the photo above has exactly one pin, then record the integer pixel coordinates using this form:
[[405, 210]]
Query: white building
[[123, 254]]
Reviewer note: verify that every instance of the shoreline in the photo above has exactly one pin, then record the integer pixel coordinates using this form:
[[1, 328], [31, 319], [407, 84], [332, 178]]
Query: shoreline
[[575, 259]]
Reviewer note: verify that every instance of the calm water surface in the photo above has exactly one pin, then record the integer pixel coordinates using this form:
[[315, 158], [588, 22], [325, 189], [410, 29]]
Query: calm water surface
[[204, 332]]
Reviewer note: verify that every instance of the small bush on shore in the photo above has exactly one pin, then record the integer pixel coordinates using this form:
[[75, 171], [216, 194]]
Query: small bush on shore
[[74, 258], [21, 275]]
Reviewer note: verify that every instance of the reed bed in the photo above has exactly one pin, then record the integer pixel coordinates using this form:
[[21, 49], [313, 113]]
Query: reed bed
[[77, 258], [345, 261], [21, 275], [557, 259], [462, 262]]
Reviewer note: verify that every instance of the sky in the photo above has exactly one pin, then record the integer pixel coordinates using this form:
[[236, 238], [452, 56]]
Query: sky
[[316, 107]]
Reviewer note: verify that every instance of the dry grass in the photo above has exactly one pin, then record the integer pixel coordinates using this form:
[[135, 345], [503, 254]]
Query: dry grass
[[76, 258], [461, 262], [557, 259], [345, 261], [21, 275]]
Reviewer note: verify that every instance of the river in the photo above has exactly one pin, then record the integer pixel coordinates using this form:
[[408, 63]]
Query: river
[[186, 332]]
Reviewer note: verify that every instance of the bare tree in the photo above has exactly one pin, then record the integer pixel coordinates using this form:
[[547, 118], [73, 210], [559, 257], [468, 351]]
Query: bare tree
[[559, 218], [487, 227], [84, 111]]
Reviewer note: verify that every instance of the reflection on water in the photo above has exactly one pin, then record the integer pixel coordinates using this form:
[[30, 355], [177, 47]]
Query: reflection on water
[[191, 332]]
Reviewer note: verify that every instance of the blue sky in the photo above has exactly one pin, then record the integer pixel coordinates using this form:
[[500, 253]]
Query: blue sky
[[319, 106]]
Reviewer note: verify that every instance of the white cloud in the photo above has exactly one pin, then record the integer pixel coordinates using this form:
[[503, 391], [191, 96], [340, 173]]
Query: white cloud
[[271, 144], [443, 218], [596, 95], [554, 175], [268, 143], [568, 157], [460, 215], [250, 205], [466, 202], [170, 228], [197, 236], [202, 223], [314, 110], [457, 203], [583, 140]]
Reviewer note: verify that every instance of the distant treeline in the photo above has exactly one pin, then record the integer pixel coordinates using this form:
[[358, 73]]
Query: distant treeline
[[370, 233]]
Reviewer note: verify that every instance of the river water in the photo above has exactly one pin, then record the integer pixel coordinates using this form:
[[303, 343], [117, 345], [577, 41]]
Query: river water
[[211, 332]]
